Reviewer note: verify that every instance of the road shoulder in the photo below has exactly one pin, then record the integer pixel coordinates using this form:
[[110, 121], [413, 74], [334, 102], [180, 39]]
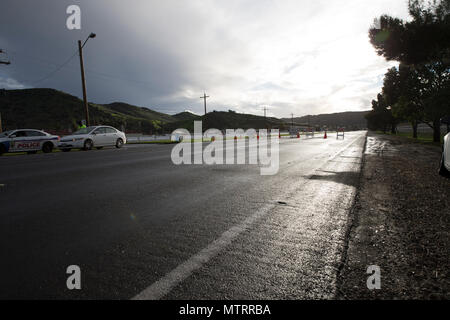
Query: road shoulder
[[400, 222]]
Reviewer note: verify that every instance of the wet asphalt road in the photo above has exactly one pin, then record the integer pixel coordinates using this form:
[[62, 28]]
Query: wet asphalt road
[[137, 224]]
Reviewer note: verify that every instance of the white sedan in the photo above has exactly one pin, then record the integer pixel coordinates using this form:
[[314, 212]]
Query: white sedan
[[93, 137], [445, 160], [27, 140]]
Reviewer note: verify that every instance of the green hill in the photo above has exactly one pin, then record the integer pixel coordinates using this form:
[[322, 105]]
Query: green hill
[[138, 112], [58, 111]]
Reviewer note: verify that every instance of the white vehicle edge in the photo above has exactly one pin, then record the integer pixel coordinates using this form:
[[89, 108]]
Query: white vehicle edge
[[93, 137], [444, 169]]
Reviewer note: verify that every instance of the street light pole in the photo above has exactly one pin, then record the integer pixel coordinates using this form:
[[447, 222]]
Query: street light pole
[[2, 62], [83, 78], [83, 83]]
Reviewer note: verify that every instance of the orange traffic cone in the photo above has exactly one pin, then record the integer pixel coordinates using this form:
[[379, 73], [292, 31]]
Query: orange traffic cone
[[325, 136]]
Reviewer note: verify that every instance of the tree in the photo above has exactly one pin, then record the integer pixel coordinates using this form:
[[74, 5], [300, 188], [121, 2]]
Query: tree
[[403, 91], [423, 46], [156, 124], [435, 78], [381, 117], [423, 39]]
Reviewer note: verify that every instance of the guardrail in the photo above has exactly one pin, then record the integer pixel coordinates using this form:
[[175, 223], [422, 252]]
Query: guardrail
[[134, 139], [168, 137]]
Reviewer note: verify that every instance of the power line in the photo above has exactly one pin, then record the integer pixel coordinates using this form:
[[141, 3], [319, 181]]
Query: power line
[[88, 71], [56, 70], [143, 84], [109, 76], [25, 56]]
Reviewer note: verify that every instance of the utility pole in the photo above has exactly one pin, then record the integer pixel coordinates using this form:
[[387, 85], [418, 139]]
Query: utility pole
[[1, 127], [204, 99], [265, 109], [83, 78], [292, 121]]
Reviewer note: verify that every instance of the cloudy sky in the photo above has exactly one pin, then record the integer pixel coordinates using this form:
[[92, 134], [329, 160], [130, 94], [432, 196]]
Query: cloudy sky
[[293, 56]]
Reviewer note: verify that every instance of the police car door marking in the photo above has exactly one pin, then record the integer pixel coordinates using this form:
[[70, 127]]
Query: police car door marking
[[28, 144]]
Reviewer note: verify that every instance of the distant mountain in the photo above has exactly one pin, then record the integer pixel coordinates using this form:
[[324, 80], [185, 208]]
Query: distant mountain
[[350, 120], [186, 115], [57, 111], [229, 120]]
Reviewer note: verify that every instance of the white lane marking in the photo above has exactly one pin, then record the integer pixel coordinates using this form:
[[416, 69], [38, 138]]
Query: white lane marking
[[164, 285]]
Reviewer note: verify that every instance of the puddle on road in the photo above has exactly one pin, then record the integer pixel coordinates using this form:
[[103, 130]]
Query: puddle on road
[[379, 147]]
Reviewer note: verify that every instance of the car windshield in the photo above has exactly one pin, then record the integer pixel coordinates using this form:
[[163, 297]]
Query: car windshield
[[5, 134], [84, 131]]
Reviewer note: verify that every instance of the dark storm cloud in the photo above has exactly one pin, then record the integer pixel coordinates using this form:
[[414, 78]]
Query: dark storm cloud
[[164, 54], [119, 66]]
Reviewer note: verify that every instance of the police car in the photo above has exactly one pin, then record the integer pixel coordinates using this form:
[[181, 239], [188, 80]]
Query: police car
[[27, 140], [93, 137]]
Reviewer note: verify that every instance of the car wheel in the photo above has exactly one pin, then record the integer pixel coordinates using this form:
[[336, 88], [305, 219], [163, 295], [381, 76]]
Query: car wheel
[[47, 147], [119, 143], [66, 150], [443, 170], [88, 145]]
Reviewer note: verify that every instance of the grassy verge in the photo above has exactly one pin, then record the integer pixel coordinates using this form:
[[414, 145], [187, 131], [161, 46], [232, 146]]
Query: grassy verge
[[399, 223], [424, 138]]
